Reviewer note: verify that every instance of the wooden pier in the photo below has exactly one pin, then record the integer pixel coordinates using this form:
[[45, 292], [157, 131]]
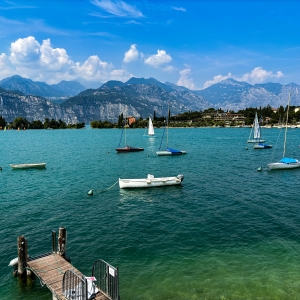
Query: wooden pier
[[63, 280]]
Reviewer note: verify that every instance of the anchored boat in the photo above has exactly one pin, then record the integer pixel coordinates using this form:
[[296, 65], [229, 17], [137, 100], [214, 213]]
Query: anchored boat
[[28, 166], [150, 181]]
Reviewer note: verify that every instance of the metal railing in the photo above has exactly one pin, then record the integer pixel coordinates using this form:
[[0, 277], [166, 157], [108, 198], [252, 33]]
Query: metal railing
[[107, 278], [74, 286]]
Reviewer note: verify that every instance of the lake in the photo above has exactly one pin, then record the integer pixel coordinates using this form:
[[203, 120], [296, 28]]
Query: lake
[[229, 232]]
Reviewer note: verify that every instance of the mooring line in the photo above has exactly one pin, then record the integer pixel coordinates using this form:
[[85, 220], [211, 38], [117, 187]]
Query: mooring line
[[91, 191]]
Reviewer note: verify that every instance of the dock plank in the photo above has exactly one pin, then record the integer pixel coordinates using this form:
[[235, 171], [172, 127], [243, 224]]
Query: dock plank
[[50, 270]]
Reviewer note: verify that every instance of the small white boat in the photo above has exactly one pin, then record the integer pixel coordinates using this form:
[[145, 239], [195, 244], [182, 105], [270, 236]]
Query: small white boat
[[170, 151], [28, 166], [150, 131], [286, 162], [150, 181], [256, 132]]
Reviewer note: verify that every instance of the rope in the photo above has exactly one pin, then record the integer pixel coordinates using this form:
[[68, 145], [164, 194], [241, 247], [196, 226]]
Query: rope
[[105, 189]]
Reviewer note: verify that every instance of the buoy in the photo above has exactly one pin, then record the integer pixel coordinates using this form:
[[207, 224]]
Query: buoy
[[259, 169], [246, 148], [13, 262], [90, 192]]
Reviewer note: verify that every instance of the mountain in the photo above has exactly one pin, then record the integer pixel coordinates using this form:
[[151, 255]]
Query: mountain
[[29, 87], [138, 97], [69, 88]]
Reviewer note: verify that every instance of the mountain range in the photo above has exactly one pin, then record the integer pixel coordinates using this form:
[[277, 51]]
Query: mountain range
[[71, 102]]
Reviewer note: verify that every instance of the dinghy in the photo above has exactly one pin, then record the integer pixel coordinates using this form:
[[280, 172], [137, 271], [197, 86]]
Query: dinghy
[[28, 166], [150, 181]]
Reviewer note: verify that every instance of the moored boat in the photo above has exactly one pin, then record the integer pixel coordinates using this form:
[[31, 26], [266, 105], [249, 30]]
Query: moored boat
[[150, 181], [28, 166], [129, 149]]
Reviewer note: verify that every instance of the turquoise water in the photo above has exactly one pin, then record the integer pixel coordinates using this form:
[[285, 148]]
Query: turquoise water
[[229, 232]]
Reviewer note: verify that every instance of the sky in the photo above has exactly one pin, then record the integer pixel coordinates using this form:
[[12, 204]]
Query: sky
[[191, 43]]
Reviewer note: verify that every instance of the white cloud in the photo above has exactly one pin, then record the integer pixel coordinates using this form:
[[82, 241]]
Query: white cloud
[[185, 79], [159, 59], [53, 59], [131, 55], [41, 62], [179, 8], [216, 79], [24, 51], [257, 75], [118, 8]]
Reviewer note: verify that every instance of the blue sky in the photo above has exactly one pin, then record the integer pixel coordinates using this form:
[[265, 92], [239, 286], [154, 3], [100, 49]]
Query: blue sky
[[192, 43]]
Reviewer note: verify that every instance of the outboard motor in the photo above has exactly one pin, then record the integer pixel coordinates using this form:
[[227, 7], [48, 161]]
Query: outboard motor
[[181, 177]]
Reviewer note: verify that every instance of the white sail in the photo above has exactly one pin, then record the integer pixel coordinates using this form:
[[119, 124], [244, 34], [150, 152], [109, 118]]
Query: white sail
[[256, 134], [150, 127]]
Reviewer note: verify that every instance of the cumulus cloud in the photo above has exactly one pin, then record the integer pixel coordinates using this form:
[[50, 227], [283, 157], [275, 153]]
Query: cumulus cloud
[[42, 62], [216, 79], [24, 51], [118, 8], [131, 55], [159, 59], [257, 75], [185, 79]]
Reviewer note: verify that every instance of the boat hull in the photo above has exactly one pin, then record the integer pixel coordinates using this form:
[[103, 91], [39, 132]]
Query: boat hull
[[170, 153], [283, 166], [262, 146], [255, 141], [149, 182], [129, 149], [28, 166]]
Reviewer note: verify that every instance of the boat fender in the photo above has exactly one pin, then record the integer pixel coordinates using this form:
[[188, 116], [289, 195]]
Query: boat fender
[[180, 177], [90, 192], [14, 262]]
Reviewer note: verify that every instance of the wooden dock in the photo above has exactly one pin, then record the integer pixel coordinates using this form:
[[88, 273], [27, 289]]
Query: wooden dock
[[55, 271], [50, 270]]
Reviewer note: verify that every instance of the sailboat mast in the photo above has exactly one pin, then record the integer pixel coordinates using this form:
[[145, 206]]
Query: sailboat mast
[[125, 131], [286, 123]]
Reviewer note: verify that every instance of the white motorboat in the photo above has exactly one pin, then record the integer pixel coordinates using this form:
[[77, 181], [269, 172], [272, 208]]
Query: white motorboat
[[28, 166], [150, 181]]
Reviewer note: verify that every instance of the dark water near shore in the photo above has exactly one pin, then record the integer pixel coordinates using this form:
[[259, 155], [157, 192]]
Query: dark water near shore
[[229, 232]]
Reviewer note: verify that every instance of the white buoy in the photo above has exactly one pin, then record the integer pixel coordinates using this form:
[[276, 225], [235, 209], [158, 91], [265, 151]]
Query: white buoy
[[90, 192], [246, 148], [259, 169]]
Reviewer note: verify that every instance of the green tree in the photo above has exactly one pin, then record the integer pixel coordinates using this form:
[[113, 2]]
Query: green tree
[[2, 122]]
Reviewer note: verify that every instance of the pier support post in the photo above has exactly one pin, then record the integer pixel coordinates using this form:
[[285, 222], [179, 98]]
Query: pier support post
[[22, 255], [62, 241]]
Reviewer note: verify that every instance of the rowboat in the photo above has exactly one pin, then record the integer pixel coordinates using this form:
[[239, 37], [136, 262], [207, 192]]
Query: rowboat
[[150, 181], [28, 166]]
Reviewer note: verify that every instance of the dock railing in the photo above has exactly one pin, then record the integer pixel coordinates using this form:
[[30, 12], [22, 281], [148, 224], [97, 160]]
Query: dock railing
[[74, 286], [107, 278]]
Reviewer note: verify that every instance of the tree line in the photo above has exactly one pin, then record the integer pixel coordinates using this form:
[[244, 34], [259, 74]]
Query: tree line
[[267, 115], [23, 123]]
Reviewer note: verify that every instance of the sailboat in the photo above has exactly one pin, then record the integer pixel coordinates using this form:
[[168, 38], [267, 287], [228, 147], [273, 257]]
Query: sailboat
[[168, 151], [261, 145], [256, 132], [150, 132], [285, 162], [127, 148]]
